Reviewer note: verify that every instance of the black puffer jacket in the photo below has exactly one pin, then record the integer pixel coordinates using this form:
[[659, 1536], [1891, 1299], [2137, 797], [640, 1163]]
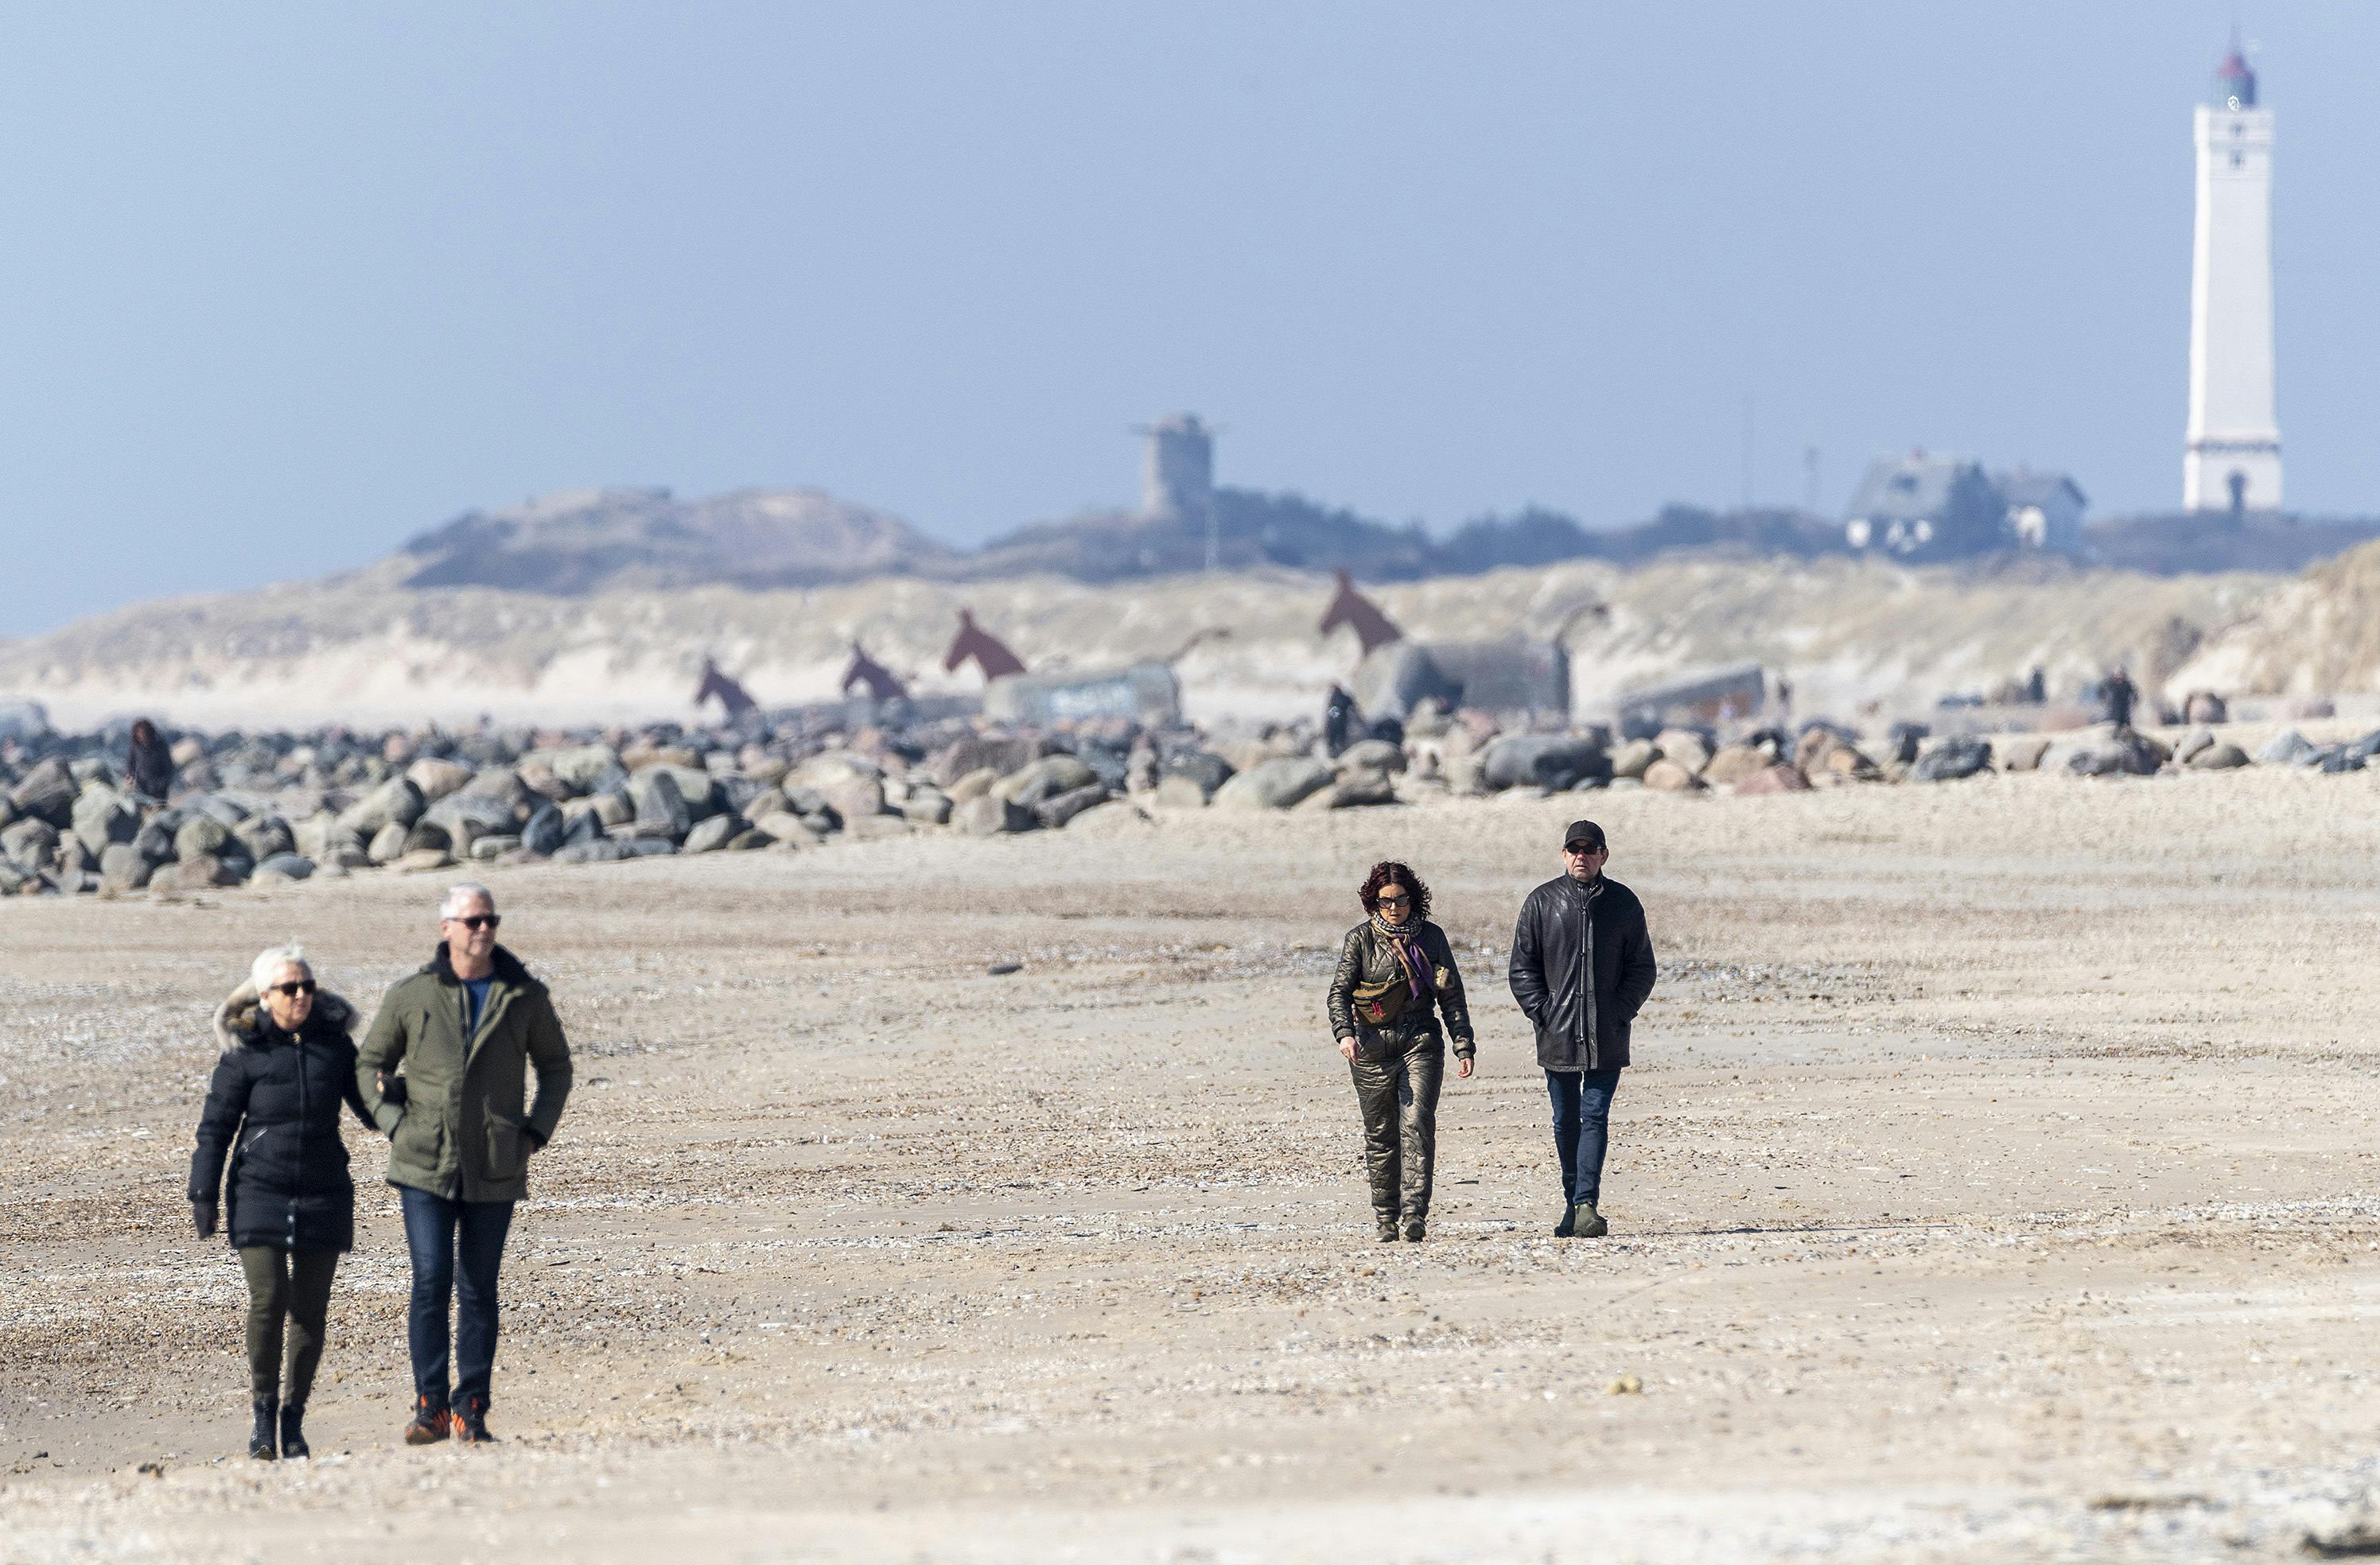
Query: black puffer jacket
[[274, 1110]]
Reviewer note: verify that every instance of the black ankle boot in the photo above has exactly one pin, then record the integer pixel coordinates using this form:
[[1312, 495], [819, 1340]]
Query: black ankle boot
[[471, 1422], [293, 1433], [262, 1443]]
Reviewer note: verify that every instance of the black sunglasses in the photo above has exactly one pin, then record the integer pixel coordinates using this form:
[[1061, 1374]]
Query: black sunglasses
[[1582, 849], [303, 986], [1393, 901], [478, 921]]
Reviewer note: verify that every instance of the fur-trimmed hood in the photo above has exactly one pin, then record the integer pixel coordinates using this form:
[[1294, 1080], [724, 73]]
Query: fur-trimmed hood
[[239, 1019]]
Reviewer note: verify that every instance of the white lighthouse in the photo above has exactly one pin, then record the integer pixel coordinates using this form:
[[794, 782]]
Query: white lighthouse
[[2233, 459]]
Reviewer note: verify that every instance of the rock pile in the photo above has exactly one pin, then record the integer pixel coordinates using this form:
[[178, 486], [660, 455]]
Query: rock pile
[[267, 807]]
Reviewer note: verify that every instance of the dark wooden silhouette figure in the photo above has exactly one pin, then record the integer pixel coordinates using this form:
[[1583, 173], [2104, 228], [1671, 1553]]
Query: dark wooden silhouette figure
[[732, 700], [1350, 608], [882, 684], [991, 654]]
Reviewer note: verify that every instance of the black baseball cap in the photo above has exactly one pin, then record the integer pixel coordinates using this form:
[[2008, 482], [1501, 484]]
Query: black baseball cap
[[1585, 831]]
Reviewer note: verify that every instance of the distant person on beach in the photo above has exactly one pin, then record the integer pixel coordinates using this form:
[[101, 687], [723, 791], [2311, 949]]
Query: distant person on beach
[[1396, 978], [148, 763], [1582, 967], [465, 1029], [2121, 694], [273, 1109]]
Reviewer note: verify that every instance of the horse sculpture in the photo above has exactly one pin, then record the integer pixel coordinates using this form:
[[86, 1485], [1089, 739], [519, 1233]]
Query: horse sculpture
[[1350, 608], [734, 701], [991, 654], [882, 684]]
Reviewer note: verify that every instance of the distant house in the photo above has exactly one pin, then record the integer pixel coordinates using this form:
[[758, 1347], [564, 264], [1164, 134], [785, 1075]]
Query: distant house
[[1920, 507], [2043, 510]]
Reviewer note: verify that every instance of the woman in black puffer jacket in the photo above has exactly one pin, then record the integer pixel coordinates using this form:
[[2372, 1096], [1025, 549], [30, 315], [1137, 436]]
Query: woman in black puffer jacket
[[288, 1062]]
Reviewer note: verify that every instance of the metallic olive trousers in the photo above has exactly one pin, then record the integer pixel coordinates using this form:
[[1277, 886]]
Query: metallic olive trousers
[[295, 1285], [1397, 1076]]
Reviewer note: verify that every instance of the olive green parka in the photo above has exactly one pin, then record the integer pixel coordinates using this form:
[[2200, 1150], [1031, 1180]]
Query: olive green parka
[[459, 1129]]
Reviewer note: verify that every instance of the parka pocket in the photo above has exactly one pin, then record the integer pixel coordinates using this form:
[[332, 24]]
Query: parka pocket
[[504, 1147]]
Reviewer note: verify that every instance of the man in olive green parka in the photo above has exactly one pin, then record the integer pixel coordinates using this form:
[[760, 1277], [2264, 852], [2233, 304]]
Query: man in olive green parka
[[444, 1074]]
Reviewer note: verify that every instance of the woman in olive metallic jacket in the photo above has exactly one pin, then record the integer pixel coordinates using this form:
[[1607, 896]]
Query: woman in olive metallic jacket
[[1396, 978]]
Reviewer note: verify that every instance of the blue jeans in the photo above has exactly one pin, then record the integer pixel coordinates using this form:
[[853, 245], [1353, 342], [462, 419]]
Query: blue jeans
[[457, 1247], [1582, 1128]]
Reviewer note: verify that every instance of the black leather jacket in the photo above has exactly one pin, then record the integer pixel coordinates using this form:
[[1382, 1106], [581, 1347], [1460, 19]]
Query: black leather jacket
[[1581, 1026]]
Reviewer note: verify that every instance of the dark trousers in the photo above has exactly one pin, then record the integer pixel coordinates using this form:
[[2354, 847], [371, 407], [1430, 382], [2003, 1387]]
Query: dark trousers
[[456, 1247], [292, 1286], [1582, 1128], [1397, 1077]]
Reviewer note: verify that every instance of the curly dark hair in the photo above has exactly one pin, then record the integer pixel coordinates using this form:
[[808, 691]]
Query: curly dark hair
[[1389, 871]]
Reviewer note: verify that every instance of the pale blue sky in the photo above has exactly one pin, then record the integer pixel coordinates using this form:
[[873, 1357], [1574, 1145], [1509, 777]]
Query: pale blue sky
[[280, 286]]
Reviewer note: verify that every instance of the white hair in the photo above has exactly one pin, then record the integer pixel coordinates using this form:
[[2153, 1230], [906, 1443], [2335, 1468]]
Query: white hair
[[462, 896], [269, 963]]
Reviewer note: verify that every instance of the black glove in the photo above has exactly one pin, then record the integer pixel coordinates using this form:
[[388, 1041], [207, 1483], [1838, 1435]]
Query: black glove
[[202, 1214], [536, 1141]]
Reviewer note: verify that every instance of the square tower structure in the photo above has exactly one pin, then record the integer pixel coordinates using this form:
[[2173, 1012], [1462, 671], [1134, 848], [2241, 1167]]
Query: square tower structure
[[2233, 460]]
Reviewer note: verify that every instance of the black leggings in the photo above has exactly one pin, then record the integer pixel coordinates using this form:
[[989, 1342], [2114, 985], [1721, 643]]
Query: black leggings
[[295, 1284]]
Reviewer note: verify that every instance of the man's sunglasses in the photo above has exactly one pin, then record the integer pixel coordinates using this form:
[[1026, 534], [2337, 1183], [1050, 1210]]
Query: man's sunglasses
[[1582, 849], [303, 986], [476, 921]]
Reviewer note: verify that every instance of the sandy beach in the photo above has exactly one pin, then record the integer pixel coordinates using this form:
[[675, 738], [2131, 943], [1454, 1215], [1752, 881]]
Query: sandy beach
[[1996, 1181]]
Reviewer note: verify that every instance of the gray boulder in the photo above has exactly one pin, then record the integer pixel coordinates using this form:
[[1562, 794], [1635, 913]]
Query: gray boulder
[[614, 809], [1179, 793], [202, 873], [1003, 754], [46, 793], [2221, 756], [608, 850], [695, 788], [1046, 779], [1278, 783], [30, 844], [660, 810], [2288, 747], [284, 866], [1359, 789], [122, 868], [265, 837], [543, 832], [1204, 770], [388, 844], [2106, 751], [200, 835], [435, 779], [708, 836], [784, 826], [1054, 813], [988, 815], [472, 814], [492, 846], [103, 820], [585, 768], [1370, 755], [1555, 761], [1631, 758], [1952, 756], [395, 803], [926, 806]]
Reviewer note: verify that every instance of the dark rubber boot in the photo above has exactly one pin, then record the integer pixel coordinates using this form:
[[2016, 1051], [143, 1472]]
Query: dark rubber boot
[[292, 1431], [1569, 1224], [429, 1426], [1586, 1222], [1416, 1231], [262, 1443], [1388, 1233], [471, 1422]]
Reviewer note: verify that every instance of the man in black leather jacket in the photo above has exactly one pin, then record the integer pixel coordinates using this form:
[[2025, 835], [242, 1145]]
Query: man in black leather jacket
[[1582, 967]]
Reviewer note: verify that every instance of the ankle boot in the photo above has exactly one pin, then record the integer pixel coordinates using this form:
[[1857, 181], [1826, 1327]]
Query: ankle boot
[[293, 1433], [262, 1443]]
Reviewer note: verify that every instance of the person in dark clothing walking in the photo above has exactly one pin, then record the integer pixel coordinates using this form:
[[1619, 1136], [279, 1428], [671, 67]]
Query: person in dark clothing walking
[[148, 764], [2122, 695], [442, 1072], [273, 1109], [1394, 968], [1582, 967]]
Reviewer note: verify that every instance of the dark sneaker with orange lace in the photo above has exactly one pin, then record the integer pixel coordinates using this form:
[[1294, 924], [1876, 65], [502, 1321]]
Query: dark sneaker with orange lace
[[472, 1423], [429, 1426]]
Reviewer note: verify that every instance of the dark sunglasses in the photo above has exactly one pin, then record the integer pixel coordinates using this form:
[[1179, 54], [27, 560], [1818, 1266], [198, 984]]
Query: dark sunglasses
[[303, 986], [1582, 849], [1394, 901], [478, 921]]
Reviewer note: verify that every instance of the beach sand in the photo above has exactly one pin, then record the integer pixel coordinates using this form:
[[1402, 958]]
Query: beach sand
[[1996, 1181]]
